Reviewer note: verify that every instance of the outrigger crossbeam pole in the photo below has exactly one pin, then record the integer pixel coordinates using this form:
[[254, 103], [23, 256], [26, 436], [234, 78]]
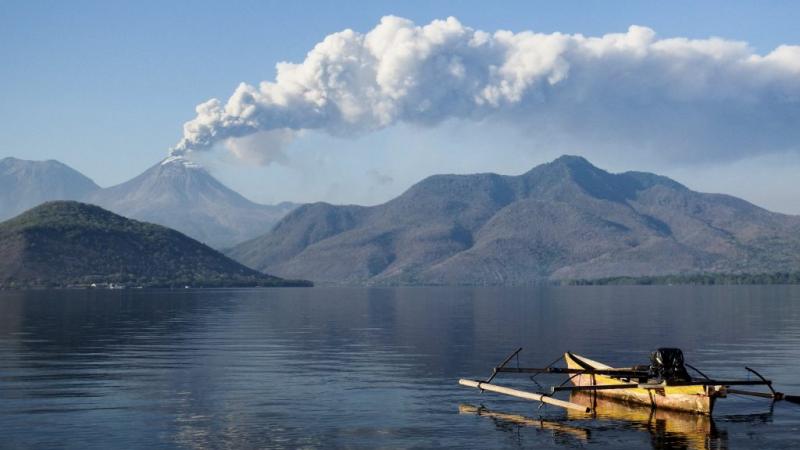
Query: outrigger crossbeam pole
[[775, 396], [629, 373], [621, 373], [710, 383], [594, 387], [656, 386]]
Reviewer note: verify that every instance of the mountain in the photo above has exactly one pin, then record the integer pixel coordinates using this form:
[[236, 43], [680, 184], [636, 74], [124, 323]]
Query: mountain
[[70, 243], [564, 220], [25, 184], [181, 194]]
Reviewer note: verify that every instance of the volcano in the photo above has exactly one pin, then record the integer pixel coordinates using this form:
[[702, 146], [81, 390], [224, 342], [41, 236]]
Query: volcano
[[183, 195]]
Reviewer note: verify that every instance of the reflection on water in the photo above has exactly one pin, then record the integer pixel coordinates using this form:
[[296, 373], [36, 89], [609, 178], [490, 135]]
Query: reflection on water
[[668, 429], [506, 422], [365, 368]]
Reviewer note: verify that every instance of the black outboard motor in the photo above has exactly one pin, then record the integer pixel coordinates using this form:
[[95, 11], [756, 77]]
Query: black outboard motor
[[666, 364]]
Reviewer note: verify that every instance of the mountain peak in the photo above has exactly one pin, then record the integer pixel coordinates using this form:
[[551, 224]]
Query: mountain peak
[[572, 161], [572, 164], [13, 161], [180, 161], [60, 212]]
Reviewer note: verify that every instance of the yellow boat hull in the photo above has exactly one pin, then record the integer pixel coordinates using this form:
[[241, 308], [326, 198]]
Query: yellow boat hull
[[695, 399]]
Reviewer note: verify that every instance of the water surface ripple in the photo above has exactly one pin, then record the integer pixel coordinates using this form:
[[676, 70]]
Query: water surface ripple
[[375, 368]]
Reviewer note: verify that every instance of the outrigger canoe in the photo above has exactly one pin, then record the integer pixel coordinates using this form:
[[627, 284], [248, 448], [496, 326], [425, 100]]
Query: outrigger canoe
[[664, 384], [696, 398]]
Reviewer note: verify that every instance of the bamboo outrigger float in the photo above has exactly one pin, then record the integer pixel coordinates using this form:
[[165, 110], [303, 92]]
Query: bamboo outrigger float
[[552, 425], [664, 384]]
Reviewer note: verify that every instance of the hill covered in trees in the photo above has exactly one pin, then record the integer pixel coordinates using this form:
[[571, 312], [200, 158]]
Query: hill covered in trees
[[67, 243], [566, 220]]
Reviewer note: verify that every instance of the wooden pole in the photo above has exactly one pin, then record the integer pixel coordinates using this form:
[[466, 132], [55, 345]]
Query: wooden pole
[[502, 364], [755, 394], [622, 373], [595, 387], [766, 381], [523, 394]]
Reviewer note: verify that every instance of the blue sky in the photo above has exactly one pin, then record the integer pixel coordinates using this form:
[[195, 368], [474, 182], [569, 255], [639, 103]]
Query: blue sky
[[106, 87]]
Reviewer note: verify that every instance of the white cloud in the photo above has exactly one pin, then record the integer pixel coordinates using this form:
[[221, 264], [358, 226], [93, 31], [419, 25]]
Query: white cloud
[[682, 99]]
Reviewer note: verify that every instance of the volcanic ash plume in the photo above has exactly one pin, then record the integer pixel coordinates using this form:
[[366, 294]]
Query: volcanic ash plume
[[716, 95]]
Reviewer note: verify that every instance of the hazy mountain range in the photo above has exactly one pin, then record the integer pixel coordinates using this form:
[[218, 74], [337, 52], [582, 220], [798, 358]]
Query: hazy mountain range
[[176, 193], [564, 220], [25, 184], [65, 243]]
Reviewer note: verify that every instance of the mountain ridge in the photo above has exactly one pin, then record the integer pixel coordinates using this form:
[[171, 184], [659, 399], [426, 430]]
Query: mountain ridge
[[566, 219], [175, 192]]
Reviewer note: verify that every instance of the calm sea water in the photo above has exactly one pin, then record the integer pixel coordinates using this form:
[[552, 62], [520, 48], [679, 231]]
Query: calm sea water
[[376, 368]]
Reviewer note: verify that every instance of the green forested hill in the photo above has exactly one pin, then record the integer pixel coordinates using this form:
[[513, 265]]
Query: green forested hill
[[64, 243], [565, 220]]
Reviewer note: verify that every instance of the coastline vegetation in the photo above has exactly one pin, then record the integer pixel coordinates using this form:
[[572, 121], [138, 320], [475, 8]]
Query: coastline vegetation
[[695, 279]]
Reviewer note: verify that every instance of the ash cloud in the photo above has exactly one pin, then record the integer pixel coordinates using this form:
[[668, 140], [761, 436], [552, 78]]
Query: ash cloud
[[683, 99], [262, 147], [379, 178]]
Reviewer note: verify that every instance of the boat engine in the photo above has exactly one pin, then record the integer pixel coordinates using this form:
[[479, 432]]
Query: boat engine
[[666, 364]]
